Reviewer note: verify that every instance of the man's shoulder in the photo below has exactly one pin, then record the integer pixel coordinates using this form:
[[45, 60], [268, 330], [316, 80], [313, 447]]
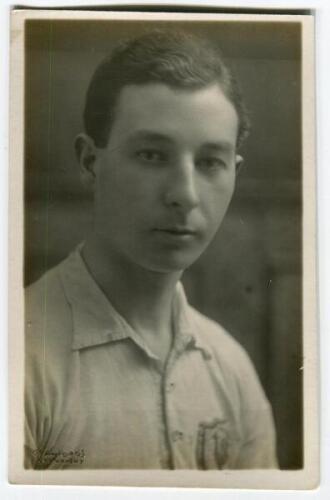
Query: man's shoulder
[[45, 294], [36, 290], [223, 347], [48, 317], [214, 334]]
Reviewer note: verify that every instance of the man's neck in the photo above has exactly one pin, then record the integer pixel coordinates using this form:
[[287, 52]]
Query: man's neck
[[143, 297]]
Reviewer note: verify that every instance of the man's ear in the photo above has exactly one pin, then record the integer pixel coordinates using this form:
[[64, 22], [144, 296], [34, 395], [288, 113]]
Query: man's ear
[[239, 160], [86, 154]]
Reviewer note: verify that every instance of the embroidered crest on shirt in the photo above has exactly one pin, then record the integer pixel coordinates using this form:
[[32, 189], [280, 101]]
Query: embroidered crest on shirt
[[212, 444]]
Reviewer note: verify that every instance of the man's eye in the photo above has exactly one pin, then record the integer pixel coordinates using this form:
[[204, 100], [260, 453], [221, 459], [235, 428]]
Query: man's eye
[[151, 156], [211, 163]]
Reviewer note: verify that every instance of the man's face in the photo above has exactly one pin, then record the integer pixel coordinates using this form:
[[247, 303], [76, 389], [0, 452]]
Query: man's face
[[166, 177]]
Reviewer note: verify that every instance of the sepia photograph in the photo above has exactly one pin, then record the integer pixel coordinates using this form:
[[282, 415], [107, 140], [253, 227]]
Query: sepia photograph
[[163, 271]]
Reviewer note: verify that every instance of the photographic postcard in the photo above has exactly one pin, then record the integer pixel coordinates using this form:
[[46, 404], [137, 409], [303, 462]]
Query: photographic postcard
[[163, 327]]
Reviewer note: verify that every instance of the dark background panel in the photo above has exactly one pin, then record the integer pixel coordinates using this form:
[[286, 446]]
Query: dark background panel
[[249, 279]]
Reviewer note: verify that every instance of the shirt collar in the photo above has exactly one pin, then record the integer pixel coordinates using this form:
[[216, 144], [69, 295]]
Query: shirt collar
[[95, 320], [187, 332]]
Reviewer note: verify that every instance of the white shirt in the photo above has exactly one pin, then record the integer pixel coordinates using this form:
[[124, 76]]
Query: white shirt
[[97, 397]]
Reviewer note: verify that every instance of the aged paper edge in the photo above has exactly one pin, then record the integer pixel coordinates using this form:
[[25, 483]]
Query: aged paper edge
[[306, 478]]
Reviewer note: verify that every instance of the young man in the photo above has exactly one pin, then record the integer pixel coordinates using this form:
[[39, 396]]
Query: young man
[[120, 371]]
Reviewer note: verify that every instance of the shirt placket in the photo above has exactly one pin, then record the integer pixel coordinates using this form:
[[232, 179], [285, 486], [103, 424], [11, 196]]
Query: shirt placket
[[175, 435]]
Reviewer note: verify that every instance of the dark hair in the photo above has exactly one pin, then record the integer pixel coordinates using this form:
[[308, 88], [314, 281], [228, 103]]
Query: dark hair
[[177, 59]]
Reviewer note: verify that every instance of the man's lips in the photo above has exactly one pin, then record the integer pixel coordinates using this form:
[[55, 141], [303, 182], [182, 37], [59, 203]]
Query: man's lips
[[176, 229]]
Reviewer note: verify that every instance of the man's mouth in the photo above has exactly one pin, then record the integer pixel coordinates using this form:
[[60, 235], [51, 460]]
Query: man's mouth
[[176, 229], [182, 232]]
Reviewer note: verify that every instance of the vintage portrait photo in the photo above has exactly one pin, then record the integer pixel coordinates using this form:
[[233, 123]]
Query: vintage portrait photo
[[163, 250]]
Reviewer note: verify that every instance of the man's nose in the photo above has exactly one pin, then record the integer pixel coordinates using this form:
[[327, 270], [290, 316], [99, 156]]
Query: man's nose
[[181, 190]]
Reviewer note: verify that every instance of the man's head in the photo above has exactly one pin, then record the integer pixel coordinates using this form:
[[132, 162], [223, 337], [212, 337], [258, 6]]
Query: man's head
[[163, 121], [176, 59]]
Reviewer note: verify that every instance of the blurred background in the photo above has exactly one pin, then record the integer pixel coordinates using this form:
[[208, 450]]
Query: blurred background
[[249, 280]]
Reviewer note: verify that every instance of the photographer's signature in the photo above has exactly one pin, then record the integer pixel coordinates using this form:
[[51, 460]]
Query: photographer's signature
[[60, 457]]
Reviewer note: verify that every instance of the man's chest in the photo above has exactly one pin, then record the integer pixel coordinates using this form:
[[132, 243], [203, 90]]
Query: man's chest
[[123, 411]]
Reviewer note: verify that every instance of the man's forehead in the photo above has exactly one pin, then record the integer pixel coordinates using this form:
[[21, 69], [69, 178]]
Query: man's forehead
[[157, 112], [150, 136], [158, 88]]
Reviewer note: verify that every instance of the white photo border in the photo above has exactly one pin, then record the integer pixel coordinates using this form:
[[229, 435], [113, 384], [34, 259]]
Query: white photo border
[[306, 478]]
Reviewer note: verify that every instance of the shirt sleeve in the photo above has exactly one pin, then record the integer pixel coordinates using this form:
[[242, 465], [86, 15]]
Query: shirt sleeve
[[34, 409], [37, 420], [259, 445]]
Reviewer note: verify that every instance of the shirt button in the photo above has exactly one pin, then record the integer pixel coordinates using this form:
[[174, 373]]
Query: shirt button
[[170, 386], [177, 435]]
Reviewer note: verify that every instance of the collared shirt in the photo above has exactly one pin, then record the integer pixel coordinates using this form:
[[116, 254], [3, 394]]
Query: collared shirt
[[98, 397]]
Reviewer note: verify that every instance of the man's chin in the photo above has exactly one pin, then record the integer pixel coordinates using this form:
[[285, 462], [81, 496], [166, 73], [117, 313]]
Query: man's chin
[[170, 263]]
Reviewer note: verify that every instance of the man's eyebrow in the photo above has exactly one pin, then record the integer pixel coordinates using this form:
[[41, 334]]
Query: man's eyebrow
[[149, 135], [219, 146]]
